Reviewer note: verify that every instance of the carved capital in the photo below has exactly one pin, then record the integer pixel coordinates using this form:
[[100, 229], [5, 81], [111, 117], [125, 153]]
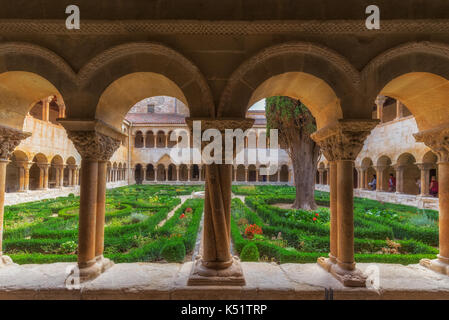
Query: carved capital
[[94, 145], [9, 139], [380, 100], [436, 139], [344, 139]]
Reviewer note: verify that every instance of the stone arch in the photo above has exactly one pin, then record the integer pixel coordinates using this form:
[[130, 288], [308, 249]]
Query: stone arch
[[29, 73], [324, 80], [261, 178], [121, 76], [241, 174], [172, 172], [149, 139], [368, 164], [150, 175], [69, 171], [411, 173], [194, 172], [138, 173], [161, 172], [183, 172], [252, 173], [161, 139], [138, 139], [55, 170], [15, 172], [384, 165], [283, 176], [413, 74]]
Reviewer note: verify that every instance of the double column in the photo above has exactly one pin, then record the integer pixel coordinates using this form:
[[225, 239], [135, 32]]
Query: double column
[[341, 143], [96, 144], [9, 140], [425, 178], [438, 140], [216, 266]]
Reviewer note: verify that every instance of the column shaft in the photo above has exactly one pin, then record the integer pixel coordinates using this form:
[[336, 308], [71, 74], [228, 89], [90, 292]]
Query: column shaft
[[87, 215], [334, 212], [443, 195], [345, 214], [3, 164], [101, 208]]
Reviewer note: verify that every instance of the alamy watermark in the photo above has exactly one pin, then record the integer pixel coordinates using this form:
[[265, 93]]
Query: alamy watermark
[[190, 149]]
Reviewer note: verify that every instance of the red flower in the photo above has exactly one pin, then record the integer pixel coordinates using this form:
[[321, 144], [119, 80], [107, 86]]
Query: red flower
[[314, 219], [251, 230], [188, 210], [182, 216], [317, 214]]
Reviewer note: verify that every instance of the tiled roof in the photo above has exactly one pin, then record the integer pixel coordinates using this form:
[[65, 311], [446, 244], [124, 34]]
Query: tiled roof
[[161, 118]]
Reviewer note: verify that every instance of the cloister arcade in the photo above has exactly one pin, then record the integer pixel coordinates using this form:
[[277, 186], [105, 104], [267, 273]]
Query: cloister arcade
[[338, 88]]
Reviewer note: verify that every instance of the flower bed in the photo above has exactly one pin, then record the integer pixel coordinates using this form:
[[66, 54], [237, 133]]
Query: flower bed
[[383, 233], [47, 231]]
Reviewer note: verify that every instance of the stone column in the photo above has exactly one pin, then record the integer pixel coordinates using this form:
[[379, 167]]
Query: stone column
[[70, 177], [217, 266], [9, 140], [380, 172], [46, 108], [425, 178], [380, 101], [46, 167], [399, 178], [177, 173], [189, 173], [246, 174], [321, 175], [166, 173], [341, 144], [61, 176], [21, 178], [438, 140], [144, 174], [155, 141], [399, 109], [96, 144], [27, 176]]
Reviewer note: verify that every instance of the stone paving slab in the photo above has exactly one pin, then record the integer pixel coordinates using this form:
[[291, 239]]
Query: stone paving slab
[[264, 281]]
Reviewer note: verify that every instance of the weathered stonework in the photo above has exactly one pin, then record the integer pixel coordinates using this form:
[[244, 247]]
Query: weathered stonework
[[9, 140], [437, 139], [344, 140], [94, 145]]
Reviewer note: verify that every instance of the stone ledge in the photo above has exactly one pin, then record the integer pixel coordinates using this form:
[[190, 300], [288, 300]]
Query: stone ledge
[[158, 281]]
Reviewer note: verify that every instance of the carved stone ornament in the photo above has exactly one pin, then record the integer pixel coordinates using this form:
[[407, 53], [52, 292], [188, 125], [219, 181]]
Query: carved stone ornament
[[436, 139], [344, 139], [93, 145], [9, 139]]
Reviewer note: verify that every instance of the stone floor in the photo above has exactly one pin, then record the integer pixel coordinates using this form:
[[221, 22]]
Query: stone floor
[[264, 281]]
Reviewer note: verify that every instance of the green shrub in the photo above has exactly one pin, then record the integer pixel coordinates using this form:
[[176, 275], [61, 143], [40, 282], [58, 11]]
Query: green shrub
[[174, 251], [69, 247], [250, 253]]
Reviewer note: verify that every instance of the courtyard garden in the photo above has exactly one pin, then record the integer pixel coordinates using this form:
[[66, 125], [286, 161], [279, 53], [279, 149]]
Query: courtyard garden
[[137, 226], [264, 229]]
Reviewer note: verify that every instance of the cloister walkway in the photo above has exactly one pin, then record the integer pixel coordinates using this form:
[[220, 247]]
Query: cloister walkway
[[264, 281]]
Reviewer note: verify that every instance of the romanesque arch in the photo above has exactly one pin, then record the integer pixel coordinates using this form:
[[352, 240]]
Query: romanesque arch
[[29, 73], [325, 81], [412, 74], [123, 75]]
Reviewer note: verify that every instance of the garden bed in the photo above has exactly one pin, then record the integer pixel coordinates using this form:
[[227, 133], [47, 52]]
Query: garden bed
[[47, 231], [383, 232]]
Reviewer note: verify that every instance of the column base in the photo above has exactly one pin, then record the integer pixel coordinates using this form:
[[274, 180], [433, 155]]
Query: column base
[[349, 278], [6, 261], [104, 263], [86, 272], [436, 265], [203, 276]]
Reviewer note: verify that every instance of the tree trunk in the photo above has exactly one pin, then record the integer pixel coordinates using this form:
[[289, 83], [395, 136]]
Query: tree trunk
[[304, 154]]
